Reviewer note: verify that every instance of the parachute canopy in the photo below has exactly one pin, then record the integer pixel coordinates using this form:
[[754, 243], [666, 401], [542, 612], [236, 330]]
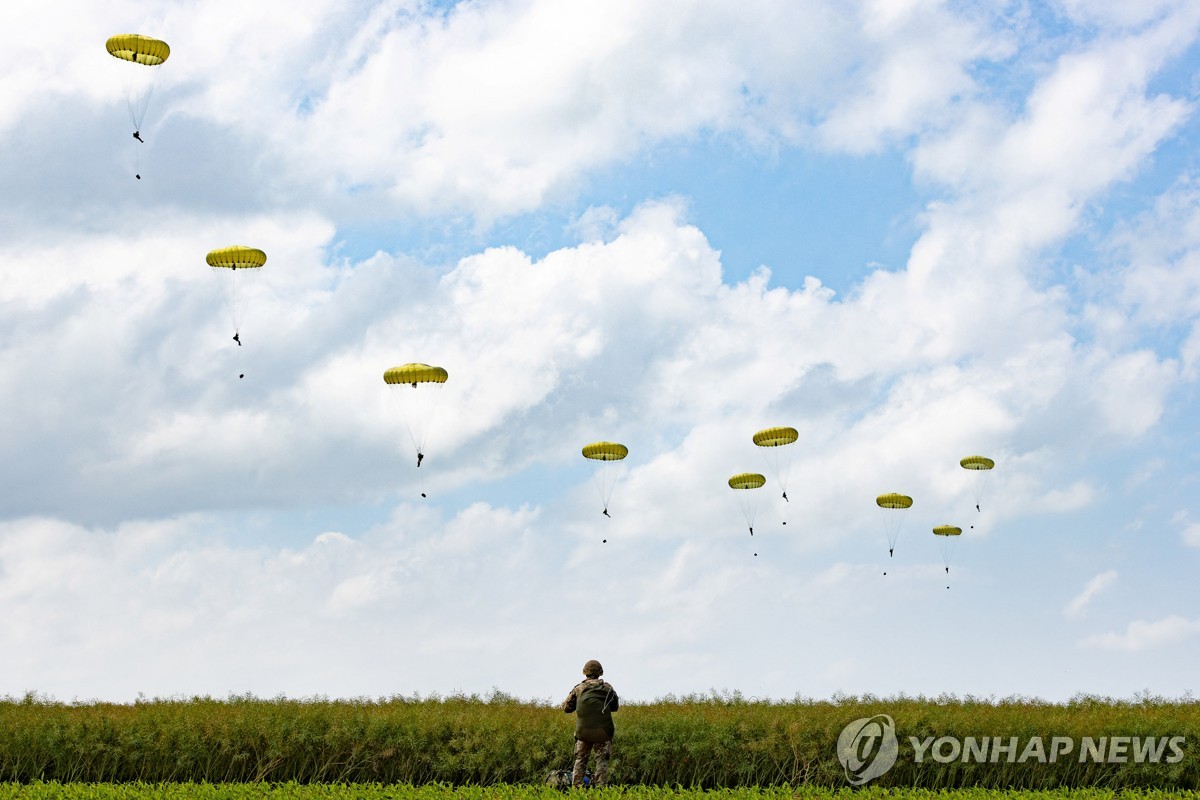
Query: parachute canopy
[[774, 437], [977, 463], [236, 257], [747, 480], [894, 500], [605, 451], [415, 373], [947, 530], [138, 49]]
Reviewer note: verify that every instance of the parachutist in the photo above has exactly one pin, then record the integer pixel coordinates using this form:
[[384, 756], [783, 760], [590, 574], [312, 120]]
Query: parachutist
[[138, 135], [947, 570], [751, 531], [889, 552], [785, 497], [420, 458], [605, 512], [237, 338], [977, 509]]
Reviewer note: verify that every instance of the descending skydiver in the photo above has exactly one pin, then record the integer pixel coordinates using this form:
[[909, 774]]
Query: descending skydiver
[[138, 135], [237, 339]]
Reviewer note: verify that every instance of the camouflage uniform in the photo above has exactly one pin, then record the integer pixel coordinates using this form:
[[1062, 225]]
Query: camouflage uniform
[[603, 751], [593, 730]]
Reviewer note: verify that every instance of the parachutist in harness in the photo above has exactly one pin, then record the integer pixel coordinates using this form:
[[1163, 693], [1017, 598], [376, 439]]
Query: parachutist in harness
[[420, 458], [605, 512], [889, 552], [751, 530], [236, 338], [976, 506], [138, 135], [785, 497]]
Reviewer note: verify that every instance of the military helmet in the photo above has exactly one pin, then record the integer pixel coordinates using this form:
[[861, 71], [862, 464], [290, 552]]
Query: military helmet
[[592, 669]]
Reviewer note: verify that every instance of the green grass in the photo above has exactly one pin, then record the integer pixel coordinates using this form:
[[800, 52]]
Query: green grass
[[719, 741], [295, 791]]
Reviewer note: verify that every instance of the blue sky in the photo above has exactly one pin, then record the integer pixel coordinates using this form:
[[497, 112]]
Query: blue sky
[[913, 231]]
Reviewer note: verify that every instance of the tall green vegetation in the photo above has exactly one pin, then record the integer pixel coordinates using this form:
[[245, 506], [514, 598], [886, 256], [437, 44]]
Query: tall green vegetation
[[443, 791], [716, 741]]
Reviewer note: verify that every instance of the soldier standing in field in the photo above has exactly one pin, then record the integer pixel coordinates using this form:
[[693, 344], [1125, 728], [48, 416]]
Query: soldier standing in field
[[593, 701]]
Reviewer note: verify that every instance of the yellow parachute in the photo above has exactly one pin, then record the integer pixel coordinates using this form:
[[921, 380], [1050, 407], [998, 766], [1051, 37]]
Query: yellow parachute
[[981, 465], [747, 480], [414, 374], [138, 49], [947, 536], [605, 476], [139, 84], [742, 482], [419, 399], [232, 267], [890, 503], [779, 457]]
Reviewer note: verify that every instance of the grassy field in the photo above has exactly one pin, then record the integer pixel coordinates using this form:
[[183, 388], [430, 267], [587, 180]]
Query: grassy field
[[295, 791], [713, 742]]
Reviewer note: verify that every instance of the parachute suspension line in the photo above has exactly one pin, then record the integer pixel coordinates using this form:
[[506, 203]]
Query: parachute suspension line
[[419, 446], [420, 419], [604, 480], [137, 100], [780, 467]]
